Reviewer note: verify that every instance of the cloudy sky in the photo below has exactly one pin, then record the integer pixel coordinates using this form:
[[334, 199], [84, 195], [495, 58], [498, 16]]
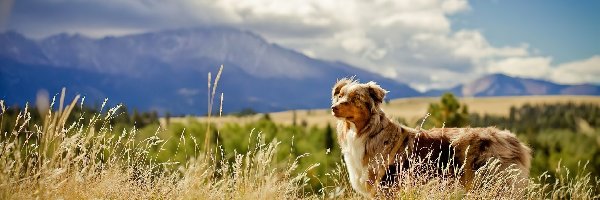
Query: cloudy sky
[[426, 43]]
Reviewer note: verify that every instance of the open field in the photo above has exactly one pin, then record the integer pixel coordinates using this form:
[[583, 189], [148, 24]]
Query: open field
[[100, 155], [410, 109]]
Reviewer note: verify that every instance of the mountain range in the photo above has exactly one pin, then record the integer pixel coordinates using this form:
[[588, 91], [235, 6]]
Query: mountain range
[[504, 85], [167, 71]]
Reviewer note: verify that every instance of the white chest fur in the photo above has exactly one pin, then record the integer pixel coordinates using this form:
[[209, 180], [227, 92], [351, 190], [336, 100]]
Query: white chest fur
[[353, 149]]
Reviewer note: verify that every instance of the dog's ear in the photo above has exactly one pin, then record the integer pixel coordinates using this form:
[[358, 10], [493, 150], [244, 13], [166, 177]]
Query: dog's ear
[[339, 85], [376, 92]]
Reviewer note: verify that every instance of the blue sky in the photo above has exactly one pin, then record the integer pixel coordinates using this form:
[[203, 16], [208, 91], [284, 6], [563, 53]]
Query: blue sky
[[567, 30], [426, 43]]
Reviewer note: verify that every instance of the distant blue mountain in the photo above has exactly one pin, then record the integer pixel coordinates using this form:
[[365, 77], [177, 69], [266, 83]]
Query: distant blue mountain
[[167, 71], [503, 85]]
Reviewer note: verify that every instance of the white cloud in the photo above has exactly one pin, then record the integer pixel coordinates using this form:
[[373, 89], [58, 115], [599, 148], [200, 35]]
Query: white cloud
[[428, 20], [575, 72], [454, 6], [355, 44], [472, 44], [578, 72], [532, 67]]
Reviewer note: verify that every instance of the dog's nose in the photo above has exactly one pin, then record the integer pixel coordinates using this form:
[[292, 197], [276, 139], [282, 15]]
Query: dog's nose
[[334, 108]]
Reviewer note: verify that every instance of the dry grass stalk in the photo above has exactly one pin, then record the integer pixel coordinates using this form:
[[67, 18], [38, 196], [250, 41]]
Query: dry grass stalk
[[211, 98]]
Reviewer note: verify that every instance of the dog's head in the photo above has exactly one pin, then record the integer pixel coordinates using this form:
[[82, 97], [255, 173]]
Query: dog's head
[[352, 100]]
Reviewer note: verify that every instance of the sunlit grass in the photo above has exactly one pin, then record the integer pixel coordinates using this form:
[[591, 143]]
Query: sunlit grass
[[74, 161], [85, 159]]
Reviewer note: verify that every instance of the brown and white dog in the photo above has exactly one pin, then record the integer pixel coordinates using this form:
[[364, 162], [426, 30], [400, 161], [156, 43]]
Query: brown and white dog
[[365, 134]]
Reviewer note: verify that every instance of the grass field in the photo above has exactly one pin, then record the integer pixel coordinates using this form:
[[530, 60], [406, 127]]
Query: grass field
[[410, 109], [91, 159]]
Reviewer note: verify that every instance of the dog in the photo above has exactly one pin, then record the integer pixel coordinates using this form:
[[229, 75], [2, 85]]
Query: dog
[[365, 134]]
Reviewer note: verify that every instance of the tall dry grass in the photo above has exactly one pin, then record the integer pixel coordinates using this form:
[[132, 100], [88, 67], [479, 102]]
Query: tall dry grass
[[87, 161], [84, 159]]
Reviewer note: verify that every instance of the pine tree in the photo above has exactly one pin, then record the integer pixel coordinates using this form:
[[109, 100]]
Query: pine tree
[[329, 140], [448, 112]]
